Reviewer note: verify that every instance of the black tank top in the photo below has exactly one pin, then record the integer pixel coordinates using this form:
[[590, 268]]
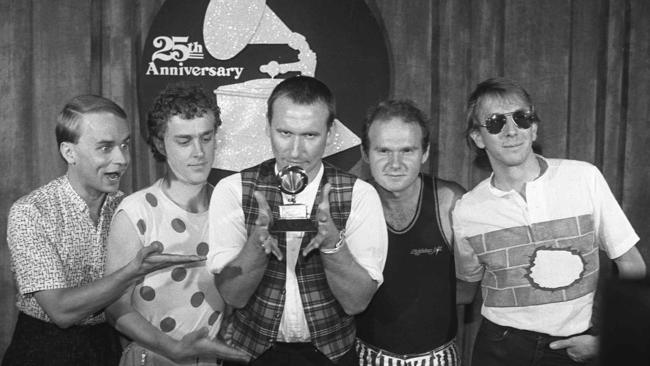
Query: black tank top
[[414, 310]]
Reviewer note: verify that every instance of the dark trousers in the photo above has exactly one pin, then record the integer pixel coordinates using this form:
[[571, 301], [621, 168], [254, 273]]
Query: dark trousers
[[497, 345], [299, 354], [36, 342]]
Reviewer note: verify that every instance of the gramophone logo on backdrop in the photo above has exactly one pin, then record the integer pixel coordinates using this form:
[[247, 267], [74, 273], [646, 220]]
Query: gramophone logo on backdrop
[[241, 50]]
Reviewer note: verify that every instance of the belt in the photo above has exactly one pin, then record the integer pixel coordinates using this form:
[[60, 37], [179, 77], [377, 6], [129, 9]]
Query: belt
[[445, 355]]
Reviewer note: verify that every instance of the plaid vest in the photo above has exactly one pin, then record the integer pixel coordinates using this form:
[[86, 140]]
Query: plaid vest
[[255, 326]]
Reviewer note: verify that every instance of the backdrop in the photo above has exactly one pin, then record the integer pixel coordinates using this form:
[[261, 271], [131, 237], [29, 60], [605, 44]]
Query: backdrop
[[585, 62]]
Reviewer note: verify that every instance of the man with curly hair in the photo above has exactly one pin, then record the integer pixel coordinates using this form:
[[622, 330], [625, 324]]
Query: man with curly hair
[[173, 315]]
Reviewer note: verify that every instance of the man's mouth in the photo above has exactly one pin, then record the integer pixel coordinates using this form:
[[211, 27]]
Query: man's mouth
[[114, 176]]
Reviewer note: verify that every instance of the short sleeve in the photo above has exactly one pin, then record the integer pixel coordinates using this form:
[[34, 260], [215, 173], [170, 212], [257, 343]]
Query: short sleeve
[[226, 226], [615, 233], [36, 263], [366, 233], [468, 267]]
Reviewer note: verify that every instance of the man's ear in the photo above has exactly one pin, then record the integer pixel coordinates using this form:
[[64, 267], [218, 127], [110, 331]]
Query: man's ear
[[267, 128], [68, 152], [331, 132], [364, 156], [160, 146], [534, 131], [425, 156], [475, 135]]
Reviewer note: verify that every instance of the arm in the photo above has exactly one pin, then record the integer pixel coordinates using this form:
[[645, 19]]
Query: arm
[[239, 278], [123, 242], [239, 262], [353, 272], [448, 194], [631, 265], [39, 270]]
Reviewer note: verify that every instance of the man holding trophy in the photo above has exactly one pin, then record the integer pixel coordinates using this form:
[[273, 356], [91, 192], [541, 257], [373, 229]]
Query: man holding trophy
[[300, 245]]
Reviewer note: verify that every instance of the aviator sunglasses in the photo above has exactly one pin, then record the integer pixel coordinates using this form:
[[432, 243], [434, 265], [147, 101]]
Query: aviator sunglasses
[[523, 119]]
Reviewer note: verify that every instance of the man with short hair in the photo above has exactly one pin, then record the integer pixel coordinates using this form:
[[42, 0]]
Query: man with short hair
[[295, 292], [412, 317], [56, 238], [531, 234], [168, 315]]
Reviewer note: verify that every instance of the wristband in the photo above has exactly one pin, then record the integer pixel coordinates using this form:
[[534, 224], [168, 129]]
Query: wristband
[[337, 246]]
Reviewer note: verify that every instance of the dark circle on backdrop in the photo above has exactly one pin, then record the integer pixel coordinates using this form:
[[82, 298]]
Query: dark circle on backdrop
[[348, 40]]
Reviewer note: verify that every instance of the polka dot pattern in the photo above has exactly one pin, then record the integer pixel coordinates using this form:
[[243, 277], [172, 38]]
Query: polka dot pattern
[[167, 324], [178, 225], [213, 318], [159, 243], [142, 226], [147, 293], [197, 299], [202, 249], [179, 273], [153, 201]]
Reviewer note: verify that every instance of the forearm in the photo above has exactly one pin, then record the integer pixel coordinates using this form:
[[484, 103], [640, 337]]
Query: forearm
[[465, 291], [239, 279], [68, 306], [350, 283], [133, 325], [631, 265]]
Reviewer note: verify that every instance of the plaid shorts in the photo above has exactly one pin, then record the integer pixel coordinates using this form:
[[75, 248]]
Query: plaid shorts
[[445, 355]]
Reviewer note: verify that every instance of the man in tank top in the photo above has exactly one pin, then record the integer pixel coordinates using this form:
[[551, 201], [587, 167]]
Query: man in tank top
[[412, 317]]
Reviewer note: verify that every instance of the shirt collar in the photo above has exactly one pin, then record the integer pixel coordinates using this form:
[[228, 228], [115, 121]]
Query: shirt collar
[[78, 202], [543, 166]]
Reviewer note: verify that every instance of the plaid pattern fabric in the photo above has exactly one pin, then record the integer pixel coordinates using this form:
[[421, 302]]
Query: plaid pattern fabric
[[255, 327]]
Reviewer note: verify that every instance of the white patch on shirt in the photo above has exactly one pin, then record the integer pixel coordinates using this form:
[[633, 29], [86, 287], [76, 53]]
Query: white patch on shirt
[[553, 269]]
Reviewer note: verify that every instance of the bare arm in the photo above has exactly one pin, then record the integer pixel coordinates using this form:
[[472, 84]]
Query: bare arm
[[631, 265], [448, 194], [68, 306], [122, 242]]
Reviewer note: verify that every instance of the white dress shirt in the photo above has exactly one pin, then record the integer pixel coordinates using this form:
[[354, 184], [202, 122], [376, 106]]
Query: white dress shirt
[[365, 230]]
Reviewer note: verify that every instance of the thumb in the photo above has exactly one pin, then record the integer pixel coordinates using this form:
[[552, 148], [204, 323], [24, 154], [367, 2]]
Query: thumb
[[152, 248], [197, 334], [563, 343], [325, 200]]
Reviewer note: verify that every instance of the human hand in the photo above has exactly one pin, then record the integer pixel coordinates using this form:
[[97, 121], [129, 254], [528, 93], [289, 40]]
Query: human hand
[[261, 237], [328, 234], [199, 344], [580, 348], [151, 258]]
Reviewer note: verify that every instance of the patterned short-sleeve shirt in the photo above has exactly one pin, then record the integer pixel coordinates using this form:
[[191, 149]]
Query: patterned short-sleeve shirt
[[55, 244]]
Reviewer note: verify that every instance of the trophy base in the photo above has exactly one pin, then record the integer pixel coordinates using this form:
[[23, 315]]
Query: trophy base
[[283, 226]]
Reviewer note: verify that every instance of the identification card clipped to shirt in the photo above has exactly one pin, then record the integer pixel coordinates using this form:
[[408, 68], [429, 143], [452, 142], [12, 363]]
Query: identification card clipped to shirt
[[293, 216]]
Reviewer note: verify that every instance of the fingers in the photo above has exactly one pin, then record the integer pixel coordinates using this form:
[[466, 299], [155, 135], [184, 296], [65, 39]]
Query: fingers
[[155, 247], [172, 259], [563, 343], [324, 205], [270, 246], [226, 352], [265, 217], [192, 337]]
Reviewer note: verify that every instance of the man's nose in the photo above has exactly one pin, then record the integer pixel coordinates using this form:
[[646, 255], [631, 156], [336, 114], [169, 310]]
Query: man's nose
[[395, 160], [121, 156], [510, 128], [197, 148], [296, 146]]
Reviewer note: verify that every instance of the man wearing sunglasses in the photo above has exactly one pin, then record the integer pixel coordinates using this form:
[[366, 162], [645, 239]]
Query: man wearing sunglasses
[[531, 234]]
